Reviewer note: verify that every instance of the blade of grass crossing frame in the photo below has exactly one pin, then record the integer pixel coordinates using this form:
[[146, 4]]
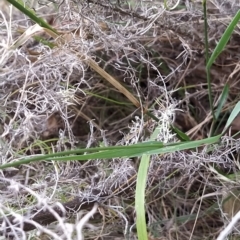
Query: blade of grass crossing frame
[[90, 153], [140, 197], [31, 14], [113, 152], [184, 145], [207, 59], [220, 122], [181, 135], [232, 116], [224, 39], [223, 99]]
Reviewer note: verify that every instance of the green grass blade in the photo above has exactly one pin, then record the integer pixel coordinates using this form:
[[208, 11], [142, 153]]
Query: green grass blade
[[140, 197], [181, 135], [232, 116], [207, 59], [224, 39], [223, 99], [90, 153], [205, 29], [31, 14], [113, 152], [184, 145], [220, 123]]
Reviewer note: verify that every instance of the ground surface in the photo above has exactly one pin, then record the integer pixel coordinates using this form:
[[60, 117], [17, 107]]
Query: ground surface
[[52, 100]]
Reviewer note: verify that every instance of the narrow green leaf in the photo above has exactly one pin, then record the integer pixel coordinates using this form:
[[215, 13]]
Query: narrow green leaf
[[220, 123], [208, 75], [93, 153], [140, 197], [232, 116], [113, 152], [31, 14], [223, 98], [181, 135], [224, 39], [184, 145]]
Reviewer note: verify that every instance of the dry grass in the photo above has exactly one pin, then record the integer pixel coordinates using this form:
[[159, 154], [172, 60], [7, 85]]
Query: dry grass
[[52, 100]]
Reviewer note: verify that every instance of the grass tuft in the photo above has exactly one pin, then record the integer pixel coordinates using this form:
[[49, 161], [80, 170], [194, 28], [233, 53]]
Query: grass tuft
[[119, 119]]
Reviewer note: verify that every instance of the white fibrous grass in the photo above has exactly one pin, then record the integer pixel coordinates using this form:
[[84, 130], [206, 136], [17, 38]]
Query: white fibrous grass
[[52, 100]]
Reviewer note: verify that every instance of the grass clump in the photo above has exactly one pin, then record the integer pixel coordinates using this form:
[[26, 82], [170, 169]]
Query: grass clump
[[119, 120]]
